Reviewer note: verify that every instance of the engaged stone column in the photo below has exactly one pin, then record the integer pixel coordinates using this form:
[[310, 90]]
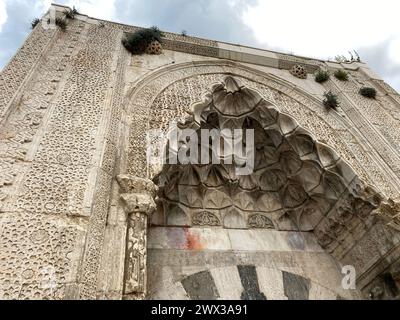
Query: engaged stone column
[[138, 199]]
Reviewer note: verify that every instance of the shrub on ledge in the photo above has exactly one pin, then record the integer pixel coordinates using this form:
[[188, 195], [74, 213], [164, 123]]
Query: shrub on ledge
[[34, 23], [368, 92], [70, 14], [137, 42], [61, 23], [331, 100], [321, 76], [341, 75]]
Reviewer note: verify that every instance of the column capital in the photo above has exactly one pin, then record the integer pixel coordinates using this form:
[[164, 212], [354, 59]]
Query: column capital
[[132, 184], [137, 194], [138, 203]]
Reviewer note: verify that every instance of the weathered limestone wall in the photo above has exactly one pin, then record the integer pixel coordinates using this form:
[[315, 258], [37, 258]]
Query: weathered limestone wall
[[52, 143], [74, 110]]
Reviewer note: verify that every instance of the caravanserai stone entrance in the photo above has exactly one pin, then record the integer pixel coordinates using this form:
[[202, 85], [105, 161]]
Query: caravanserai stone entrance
[[85, 216]]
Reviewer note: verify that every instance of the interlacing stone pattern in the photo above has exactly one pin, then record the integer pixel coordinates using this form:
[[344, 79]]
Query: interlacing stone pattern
[[377, 119], [14, 73], [39, 252], [299, 71], [38, 257], [52, 189], [154, 48]]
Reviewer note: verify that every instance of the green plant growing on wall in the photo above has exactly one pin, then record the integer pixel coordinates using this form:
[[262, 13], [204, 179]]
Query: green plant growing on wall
[[137, 42], [341, 59], [70, 13], [60, 22], [331, 100], [341, 75], [368, 92], [34, 23], [321, 76], [358, 58], [184, 33], [344, 59]]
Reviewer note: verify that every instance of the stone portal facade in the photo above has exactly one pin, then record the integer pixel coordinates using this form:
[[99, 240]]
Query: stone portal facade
[[83, 215]]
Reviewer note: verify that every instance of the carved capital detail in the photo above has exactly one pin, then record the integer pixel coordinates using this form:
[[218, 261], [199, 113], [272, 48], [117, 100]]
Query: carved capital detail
[[138, 202], [131, 184], [137, 194]]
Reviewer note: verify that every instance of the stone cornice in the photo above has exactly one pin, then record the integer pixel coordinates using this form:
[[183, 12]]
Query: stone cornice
[[234, 52]]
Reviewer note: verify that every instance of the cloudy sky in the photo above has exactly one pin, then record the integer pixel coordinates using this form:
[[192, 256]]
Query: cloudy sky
[[314, 28]]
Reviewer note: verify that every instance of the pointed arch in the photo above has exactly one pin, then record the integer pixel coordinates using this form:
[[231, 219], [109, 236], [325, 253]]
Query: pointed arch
[[298, 183]]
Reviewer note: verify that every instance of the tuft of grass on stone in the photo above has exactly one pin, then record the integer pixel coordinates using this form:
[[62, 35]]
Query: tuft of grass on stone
[[321, 76], [341, 75], [70, 13], [331, 100], [137, 42], [34, 23], [368, 92], [60, 22], [184, 33]]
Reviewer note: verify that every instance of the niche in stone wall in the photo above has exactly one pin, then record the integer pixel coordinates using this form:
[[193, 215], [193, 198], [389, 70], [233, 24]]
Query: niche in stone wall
[[297, 183]]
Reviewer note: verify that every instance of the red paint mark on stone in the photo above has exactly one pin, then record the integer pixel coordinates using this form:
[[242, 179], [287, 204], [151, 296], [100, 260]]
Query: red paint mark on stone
[[176, 238], [192, 241]]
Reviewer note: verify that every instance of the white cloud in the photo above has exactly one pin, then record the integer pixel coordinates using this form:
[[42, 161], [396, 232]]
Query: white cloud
[[43, 5], [311, 28], [323, 29], [3, 13], [102, 9], [394, 50]]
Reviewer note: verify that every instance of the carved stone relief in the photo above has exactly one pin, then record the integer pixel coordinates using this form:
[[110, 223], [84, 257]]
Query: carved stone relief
[[61, 112], [298, 182], [137, 198], [260, 221], [205, 218], [327, 127], [15, 73], [299, 71], [375, 123]]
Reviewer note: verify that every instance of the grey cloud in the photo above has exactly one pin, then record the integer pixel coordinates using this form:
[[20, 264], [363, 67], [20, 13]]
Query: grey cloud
[[17, 27], [378, 59], [203, 18]]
